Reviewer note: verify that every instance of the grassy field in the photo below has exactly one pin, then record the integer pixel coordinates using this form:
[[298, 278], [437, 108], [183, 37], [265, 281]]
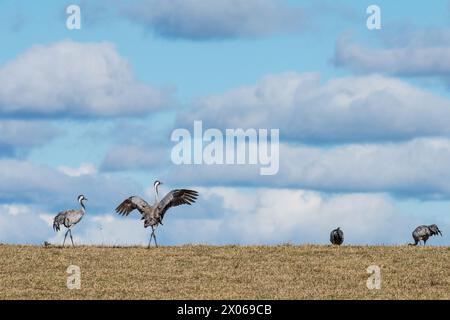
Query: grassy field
[[228, 272]]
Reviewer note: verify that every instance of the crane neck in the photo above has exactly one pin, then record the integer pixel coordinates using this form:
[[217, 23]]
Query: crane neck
[[156, 193], [83, 208]]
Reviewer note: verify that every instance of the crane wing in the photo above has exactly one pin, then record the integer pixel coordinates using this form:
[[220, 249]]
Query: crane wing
[[132, 203], [66, 218], [175, 198], [59, 220]]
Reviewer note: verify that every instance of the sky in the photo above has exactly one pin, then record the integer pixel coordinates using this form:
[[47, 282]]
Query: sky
[[362, 114]]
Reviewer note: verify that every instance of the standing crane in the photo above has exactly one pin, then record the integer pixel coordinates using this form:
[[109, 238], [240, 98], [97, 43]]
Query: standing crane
[[337, 236], [423, 233], [153, 215], [70, 218]]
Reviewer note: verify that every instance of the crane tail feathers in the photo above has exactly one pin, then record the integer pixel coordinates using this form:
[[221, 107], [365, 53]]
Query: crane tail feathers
[[56, 226]]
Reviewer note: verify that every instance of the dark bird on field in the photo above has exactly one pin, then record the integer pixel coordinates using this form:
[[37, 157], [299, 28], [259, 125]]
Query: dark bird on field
[[69, 218], [337, 236], [153, 215], [423, 233]]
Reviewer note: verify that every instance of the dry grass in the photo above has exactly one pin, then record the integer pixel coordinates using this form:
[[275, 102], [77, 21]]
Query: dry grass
[[229, 272]]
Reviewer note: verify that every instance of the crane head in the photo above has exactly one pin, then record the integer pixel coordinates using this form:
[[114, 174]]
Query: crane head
[[435, 230], [156, 184]]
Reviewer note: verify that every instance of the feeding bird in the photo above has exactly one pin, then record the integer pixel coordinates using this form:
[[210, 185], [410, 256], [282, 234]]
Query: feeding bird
[[153, 215], [70, 218], [337, 236], [423, 233]]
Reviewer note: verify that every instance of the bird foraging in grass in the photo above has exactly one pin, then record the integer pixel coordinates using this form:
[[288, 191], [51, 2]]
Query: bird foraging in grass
[[337, 236], [153, 215], [70, 218], [422, 233]]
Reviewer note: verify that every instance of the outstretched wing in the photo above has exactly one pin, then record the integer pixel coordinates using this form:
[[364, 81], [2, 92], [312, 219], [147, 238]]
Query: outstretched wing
[[175, 198], [132, 203]]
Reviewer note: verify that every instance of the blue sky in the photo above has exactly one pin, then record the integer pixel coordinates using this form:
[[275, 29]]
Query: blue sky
[[362, 117]]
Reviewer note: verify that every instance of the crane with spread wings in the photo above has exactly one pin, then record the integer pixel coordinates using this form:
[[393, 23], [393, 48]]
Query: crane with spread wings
[[153, 215]]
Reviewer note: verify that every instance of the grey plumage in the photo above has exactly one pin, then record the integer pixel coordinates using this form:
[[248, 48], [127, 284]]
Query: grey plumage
[[422, 233], [337, 236], [69, 218], [153, 215]]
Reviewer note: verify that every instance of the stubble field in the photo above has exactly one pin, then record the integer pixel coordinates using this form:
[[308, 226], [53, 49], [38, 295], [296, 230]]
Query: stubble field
[[225, 272]]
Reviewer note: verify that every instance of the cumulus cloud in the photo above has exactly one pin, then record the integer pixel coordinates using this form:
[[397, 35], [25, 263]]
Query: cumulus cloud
[[41, 185], [131, 157], [20, 223], [28, 224], [268, 216], [106, 229], [75, 79], [138, 146], [14, 209], [417, 168], [18, 135], [222, 19], [83, 169], [407, 53], [348, 109], [263, 216]]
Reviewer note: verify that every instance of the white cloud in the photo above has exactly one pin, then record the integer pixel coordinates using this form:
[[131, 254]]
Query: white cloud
[[47, 218], [131, 157], [267, 216], [220, 19], [41, 185], [75, 79], [21, 224], [416, 168], [28, 224], [14, 209], [262, 216], [348, 109], [18, 134], [106, 229], [404, 51], [83, 169]]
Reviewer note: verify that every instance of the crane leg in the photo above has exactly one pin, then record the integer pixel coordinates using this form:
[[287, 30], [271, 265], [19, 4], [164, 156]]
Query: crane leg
[[150, 242], [65, 236], [152, 236], [71, 239]]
